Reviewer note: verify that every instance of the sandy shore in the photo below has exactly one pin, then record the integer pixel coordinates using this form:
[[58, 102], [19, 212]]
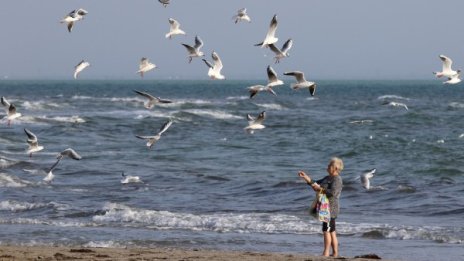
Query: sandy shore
[[79, 253]]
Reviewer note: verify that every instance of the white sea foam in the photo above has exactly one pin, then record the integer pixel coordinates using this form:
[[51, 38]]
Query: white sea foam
[[271, 106], [104, 244], [18, 206], [456, 105], [80, 97], [33, 221], [238, 98], [12, 181], [261, 223], [40, 105], [5, 163], [397, 97], [70, 119], [142, 114], [215, 114], [242, 223], [312, 98]]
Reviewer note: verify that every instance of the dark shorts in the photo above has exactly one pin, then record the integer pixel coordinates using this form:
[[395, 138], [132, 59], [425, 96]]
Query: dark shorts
[[329, 227]]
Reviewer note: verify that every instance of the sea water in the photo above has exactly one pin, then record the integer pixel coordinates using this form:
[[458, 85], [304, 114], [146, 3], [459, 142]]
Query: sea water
[[207, 183]]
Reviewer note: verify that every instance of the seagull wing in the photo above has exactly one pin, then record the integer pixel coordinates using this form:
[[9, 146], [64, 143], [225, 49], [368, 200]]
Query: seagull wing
[[207, 63], [298, 75], [11, 109], [365, 181], [287, 45], [163, 100], [447, 62], [217, 62], [165, 126], [70, 153], [174, 24], [54, 165], [31, 138], [275, 49], [82, 12], [190, 49], [260, 118], [146, 95], [5, 103], [271, 74], [145, 137], [70, 26], [198, 43], [272, 27]]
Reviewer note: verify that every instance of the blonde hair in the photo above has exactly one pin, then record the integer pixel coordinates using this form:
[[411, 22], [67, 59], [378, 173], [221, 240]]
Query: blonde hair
[[337, 163]]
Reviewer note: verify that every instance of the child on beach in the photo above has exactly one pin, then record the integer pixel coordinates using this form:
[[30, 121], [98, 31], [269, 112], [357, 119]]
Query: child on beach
[[331, 185]]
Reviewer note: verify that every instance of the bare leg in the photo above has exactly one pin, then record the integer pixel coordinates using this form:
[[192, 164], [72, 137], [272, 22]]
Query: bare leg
[[327, 243], [333, 235]]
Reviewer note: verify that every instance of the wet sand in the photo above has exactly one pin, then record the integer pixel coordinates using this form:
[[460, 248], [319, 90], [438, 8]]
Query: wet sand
[[83, 253]]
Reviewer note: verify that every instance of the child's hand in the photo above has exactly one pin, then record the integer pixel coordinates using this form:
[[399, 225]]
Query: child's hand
[[302, 174]]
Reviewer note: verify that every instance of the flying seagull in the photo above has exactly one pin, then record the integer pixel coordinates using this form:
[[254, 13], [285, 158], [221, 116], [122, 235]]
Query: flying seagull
[[301, 82], [214, 71], [195, 50], [241, 16], [145, 66], [272, 81], [73, 16], [270, 36], [272, 77], [152, 100], [129, 179], [151, 140], [255, 89], [79, 67], [365, 178], [174, 28], [281, 53], [70, 153], [11, 113], [165, 2], [33, 142], [446, 70], [255, 124]]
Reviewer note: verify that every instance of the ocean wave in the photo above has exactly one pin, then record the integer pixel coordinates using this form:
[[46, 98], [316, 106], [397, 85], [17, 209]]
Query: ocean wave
[[104, 244], [456, 105], [48, 222], [389, 96], [5, 163], [221, 222], [422, 233], [265, 223], [69, 119], [136, 99], [215, 114], [40, 105], [15, 206], [271, 106], [237, 98], [12, 181]]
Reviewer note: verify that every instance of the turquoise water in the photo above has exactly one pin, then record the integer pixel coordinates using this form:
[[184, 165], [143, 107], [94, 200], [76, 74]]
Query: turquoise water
[[207, 183]]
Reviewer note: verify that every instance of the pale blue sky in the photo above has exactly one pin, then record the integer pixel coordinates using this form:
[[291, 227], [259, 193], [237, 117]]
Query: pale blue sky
[[356, 39]]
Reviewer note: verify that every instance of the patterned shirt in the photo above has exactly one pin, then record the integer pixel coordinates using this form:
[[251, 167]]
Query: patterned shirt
[[332, 187]]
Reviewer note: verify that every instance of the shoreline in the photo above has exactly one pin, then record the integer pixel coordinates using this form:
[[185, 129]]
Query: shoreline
[[9, 252]]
